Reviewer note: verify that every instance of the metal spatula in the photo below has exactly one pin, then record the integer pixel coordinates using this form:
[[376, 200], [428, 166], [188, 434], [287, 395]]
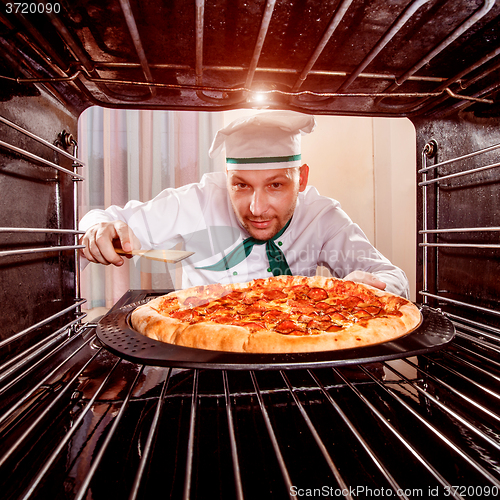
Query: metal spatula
[[161, 255]]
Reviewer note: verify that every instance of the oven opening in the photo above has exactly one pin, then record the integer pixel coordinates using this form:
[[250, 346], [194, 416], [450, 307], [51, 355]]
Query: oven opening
[[367, 164]]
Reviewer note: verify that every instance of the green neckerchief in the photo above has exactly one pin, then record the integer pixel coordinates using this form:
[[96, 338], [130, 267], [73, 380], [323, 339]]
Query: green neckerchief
[[276, 258]]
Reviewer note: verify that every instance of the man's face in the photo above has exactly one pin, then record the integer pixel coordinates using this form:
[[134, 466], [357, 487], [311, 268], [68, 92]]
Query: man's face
[[264, 200]]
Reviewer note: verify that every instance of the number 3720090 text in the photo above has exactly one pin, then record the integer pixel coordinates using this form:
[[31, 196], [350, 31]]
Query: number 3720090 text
[[32, 8]]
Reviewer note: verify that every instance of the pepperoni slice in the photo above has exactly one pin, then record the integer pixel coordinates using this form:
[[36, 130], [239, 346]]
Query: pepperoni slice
[[331, 310], [319, 325], [305, 318], [274, 294], [334, 328], [351, 302], [302, 306], [212, 309], [253, 326], [261, 305], [287, 326], [251, 310], [373, 310], [351, 288], [194, 301], [185, 315], [322, 306], [235, 295], [225, 317], [274, 315], [336, 316], [249, 299], [361, 314], [317, 294]]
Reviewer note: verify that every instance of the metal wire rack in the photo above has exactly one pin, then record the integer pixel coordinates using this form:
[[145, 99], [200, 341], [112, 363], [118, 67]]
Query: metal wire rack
[[34, 161], [141, 79], [97, 423], [483, 237]]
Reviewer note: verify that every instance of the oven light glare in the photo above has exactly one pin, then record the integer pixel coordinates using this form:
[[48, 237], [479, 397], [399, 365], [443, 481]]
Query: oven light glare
[[259, 97]]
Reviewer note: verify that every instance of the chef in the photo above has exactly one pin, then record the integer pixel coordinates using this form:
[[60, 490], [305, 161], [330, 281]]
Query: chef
[[257, 219]]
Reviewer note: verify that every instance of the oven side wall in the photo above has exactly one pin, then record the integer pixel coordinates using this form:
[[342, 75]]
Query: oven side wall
[[37, 285], [465, 273]]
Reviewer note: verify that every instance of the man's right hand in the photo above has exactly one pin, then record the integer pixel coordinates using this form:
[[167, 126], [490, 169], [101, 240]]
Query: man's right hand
[[101, 239]]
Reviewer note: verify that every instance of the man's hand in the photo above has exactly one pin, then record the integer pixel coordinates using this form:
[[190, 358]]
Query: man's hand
[[366, 278], [101, 239]]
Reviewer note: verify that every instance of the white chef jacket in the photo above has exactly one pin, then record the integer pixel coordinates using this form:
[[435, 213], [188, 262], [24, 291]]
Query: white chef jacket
[[200, 217]]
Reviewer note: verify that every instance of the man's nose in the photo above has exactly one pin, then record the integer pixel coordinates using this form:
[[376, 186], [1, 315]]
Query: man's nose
[[258, 204]]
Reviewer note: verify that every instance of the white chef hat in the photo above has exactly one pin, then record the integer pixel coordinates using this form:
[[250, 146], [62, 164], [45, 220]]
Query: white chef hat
[[264, 141]]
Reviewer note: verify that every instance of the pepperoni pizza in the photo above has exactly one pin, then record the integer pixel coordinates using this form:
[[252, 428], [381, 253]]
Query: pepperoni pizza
[[277, 315]]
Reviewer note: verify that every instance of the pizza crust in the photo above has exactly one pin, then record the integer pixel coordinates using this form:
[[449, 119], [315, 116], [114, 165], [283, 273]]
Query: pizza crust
[[232, 338]]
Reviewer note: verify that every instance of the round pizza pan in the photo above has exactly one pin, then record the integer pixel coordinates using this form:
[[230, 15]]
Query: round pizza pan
[[115, 332]]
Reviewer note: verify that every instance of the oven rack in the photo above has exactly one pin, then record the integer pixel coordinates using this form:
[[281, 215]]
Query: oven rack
[[66, 140], [59, 248], [220, 431], [27, 154], [430, 224], [84, 75], [44, 322]]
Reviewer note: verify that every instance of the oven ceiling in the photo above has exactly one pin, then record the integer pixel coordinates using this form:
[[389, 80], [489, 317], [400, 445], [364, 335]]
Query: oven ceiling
[[348, 57]]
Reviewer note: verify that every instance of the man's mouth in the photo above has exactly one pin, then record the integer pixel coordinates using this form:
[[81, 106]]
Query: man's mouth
[[260, 224]]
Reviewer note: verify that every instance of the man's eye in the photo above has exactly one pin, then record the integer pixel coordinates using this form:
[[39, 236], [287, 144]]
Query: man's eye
[[241, 185], [276, 185]]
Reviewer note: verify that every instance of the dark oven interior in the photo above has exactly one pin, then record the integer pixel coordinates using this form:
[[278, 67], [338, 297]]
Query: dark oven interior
[[77, 420]]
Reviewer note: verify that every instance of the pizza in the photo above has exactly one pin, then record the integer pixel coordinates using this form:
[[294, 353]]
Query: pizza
[[281, 314]]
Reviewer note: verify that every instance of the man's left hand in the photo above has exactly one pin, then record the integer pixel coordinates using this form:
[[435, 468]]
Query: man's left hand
[[366, 278]]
